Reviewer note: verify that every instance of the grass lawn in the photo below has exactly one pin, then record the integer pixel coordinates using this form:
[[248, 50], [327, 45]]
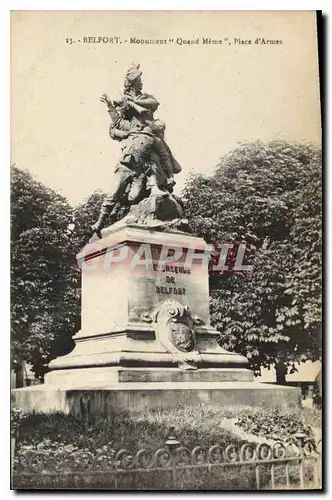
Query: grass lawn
[[60, 436]]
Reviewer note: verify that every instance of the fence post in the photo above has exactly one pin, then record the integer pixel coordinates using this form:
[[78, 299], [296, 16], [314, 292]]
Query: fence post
[[300, 437], [272, 477], [13, 438], [317, 468], [258, 484], [172, 443], [316, 472]]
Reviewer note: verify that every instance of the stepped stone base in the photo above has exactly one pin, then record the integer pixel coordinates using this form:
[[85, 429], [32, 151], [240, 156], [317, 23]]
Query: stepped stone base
[[133, 397], [146, 340], [105, 376]]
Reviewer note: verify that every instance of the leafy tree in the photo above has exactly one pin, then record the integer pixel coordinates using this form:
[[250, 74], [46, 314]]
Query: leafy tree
[[267, 195], [84, 215], [46, 234], [44, 292]]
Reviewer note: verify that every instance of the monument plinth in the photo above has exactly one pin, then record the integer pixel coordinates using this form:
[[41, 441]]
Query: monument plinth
[[145, 305], [146, 339]]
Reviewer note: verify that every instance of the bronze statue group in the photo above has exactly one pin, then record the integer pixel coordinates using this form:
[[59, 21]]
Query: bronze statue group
[[146, 167]]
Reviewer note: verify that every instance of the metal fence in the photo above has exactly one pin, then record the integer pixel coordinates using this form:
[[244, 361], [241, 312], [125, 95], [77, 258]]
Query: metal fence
[[291, 464]]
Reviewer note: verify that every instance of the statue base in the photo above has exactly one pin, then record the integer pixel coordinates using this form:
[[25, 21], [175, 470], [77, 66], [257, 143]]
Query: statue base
[[138, 397], [145, 303], [146, 341]]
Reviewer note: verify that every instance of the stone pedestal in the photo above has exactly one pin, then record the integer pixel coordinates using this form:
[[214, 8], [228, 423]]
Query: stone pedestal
[[146, 339]]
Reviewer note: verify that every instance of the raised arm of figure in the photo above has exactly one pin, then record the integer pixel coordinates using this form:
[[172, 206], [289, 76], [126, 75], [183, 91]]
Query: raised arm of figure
[[148, 102], [110, 107]]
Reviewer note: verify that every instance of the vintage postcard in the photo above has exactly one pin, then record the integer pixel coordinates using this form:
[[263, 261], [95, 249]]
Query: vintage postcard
[[166, 244]]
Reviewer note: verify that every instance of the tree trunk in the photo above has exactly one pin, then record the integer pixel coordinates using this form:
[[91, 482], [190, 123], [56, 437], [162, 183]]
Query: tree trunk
[[20, 372], [281, 372]]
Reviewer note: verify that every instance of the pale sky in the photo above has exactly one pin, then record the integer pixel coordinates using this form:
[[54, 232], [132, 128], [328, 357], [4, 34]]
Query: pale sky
[[211, 96]]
